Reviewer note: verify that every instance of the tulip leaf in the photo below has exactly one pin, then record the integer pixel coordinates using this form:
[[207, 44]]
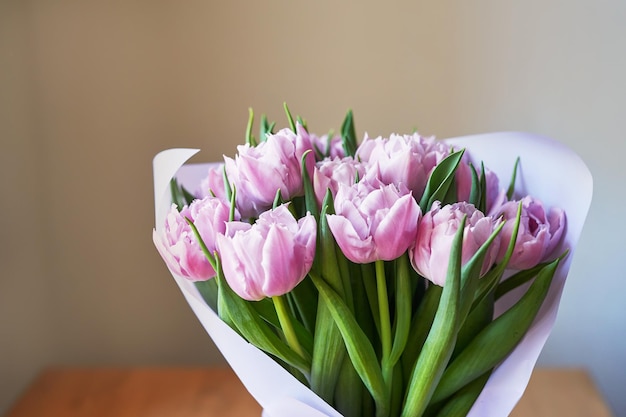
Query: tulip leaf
[[470, 275], [348, 399], [358, 346], [328, 348], [440, 180], [301, 122], [475, 192], [493, 277], [368, 278], [227, 188], [348, 134], [256, 331], [250, 140], [310, 201], [521, 277], [305, 299], [511, 190], [265, 129], [403, 309], [180, 195], [497, 339], [460, 404], [439, 344], [208, 291], [265, 309], [420, 326], [292, 124]]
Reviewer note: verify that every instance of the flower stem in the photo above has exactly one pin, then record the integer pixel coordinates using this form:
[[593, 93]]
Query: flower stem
[[285, 324], [385, 322]]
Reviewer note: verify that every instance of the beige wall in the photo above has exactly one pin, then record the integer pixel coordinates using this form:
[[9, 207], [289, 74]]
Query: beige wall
[[90, 91]]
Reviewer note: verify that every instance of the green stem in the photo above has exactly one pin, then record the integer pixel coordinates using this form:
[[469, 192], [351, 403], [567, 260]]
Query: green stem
[[285, 324], [385, 322]]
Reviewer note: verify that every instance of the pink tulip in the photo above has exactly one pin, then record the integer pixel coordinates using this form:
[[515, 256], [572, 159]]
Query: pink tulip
[[329, 147], [258, 172], [329, 173], [539, 232], [178, 245], [407, 159], [495, 195], [270, 257], [431, 253], [213, 184], [373, 222]]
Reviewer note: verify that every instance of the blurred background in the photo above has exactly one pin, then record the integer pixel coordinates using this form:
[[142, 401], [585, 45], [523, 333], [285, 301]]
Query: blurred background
[[91, 91]]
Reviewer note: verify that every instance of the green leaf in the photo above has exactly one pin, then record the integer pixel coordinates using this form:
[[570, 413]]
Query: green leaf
[[359, 348], [482, 203], [250, 140], [348, 399], [460, 404], [403, 309], [475, 193], [439, 344], [521, 277], [265, 129], [440, 180], [292, 124], [310, 200], [420, 326], [256, 330], [180, 196], [511, 190], [498, 339], [348, 134], [493, 277], [227, 187], [208, 291], [328, 348], [265, 309]]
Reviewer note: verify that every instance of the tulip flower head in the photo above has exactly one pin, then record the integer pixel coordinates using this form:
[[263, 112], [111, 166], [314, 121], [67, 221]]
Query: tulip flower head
[[373, 223], [271, 256], [177, 243], [403, 159], [431, 252], [213, 183], [258, 172], [539, 233], [328, 174]]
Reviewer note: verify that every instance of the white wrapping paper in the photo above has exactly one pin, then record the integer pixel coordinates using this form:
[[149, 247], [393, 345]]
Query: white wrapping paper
[[548, 171]]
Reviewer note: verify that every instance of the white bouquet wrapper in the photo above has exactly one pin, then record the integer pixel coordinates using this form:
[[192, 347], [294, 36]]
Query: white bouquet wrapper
[[549, 171]]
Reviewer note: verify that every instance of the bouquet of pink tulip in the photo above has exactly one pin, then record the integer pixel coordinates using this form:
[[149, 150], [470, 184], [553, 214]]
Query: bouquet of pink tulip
[[389, 277]]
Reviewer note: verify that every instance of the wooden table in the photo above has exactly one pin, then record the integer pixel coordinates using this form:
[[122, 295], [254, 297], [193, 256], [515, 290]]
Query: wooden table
[[206, 392]]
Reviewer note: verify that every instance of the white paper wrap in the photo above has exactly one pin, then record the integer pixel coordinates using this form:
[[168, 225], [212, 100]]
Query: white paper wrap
[[548, 171]]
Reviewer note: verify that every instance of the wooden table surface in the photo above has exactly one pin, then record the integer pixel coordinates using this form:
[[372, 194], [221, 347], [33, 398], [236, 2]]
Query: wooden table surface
[[206, 392]]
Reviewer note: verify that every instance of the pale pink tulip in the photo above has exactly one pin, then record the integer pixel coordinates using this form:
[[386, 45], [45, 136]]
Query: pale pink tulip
[[403, 159], [430, 255], [373, 222], [258, 172], [329, 173], [213, 183], [539, 232], [270, 257], [496, 196], [328, 147], [178, 245]]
